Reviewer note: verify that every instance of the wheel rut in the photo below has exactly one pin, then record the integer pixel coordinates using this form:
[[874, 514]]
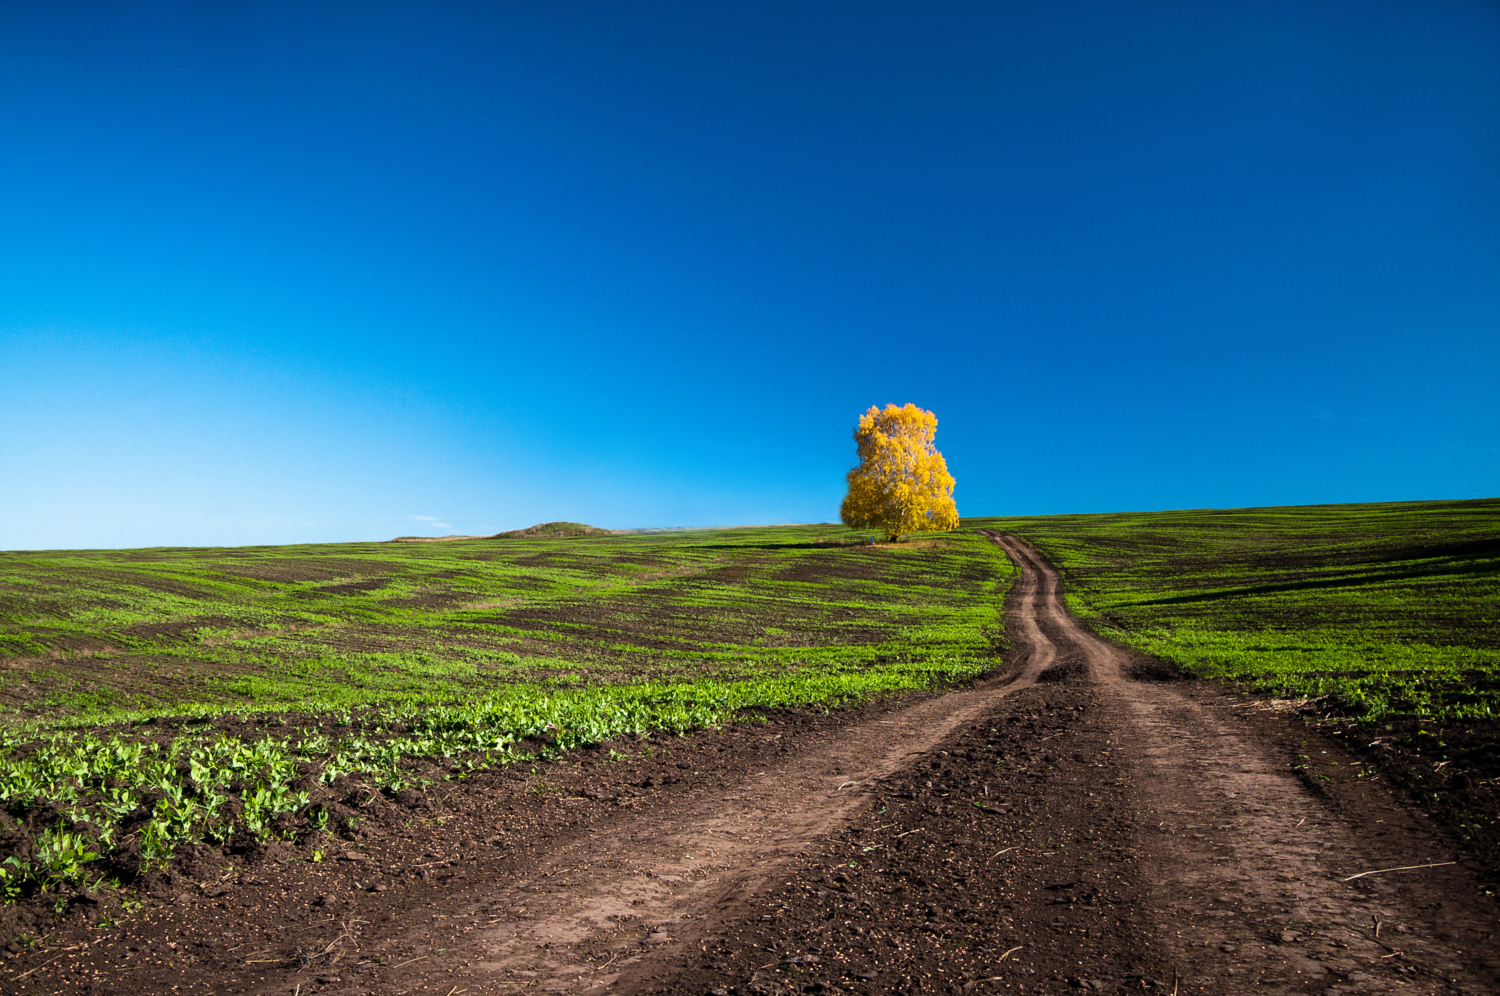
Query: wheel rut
[[715, 850], [1241, 863], [1250, 864]]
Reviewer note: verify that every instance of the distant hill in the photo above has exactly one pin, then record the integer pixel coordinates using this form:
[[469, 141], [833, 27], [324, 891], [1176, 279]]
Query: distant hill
[[555, 530], [542, 530]]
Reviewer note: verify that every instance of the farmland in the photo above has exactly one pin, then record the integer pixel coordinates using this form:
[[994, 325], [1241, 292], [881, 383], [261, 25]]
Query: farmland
[[1367, 611], [157, 697], [412, 767], [99, 636]]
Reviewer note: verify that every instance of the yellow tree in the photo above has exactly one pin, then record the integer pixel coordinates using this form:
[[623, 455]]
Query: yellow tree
[[902, 484]]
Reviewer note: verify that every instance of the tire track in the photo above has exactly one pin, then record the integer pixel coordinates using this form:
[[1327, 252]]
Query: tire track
[[590, 896], [1243, 862], [1250, 862]]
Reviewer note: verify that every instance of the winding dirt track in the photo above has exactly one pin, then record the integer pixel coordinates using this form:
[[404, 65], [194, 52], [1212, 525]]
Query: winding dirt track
[[1221, 813], [717, 850]]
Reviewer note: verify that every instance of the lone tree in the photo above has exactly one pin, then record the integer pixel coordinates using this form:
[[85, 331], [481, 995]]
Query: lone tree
[[902, 484]]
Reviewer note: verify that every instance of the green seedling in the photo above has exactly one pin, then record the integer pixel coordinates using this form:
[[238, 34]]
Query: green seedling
[[656, 635]]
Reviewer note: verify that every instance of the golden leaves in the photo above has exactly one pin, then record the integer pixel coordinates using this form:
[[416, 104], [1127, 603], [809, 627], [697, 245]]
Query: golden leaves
[[902, 484]]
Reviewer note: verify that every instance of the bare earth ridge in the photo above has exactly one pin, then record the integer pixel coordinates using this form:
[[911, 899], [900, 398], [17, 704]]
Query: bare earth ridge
[[1064, 827]]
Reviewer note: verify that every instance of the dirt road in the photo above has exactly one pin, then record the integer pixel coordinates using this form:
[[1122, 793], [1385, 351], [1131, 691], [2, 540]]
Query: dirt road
[[1239, 862], [1065, 827], [1249, 866]]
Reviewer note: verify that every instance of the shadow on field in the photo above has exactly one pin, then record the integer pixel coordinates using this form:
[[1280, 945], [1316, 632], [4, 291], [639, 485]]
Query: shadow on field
[[1487, 567]]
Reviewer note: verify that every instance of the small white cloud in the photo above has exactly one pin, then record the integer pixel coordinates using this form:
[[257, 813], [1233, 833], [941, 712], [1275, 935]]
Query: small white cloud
[[441, 525]]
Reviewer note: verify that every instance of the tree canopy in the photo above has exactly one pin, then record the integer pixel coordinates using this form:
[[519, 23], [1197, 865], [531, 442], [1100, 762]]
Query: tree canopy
[[902, 484]]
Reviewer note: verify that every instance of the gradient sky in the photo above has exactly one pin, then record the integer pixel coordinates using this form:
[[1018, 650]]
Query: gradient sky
[[278, 273]]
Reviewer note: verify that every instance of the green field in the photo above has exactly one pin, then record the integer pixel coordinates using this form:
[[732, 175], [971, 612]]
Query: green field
[[151, 697], [158, 696], [1370, 610], [104, 634]]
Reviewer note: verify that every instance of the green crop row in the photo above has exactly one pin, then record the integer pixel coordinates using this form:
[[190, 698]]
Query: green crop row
[[211, 786]]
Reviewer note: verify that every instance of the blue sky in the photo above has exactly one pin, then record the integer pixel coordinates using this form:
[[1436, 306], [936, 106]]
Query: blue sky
[[313, 272]]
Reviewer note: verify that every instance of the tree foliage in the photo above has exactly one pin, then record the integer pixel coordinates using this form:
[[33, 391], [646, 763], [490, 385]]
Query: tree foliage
[[902, 484]]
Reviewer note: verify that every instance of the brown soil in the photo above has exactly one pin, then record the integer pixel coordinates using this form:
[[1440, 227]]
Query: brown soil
[[1063, 828]]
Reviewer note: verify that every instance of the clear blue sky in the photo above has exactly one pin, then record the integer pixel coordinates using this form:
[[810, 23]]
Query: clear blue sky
[[303, 272]]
